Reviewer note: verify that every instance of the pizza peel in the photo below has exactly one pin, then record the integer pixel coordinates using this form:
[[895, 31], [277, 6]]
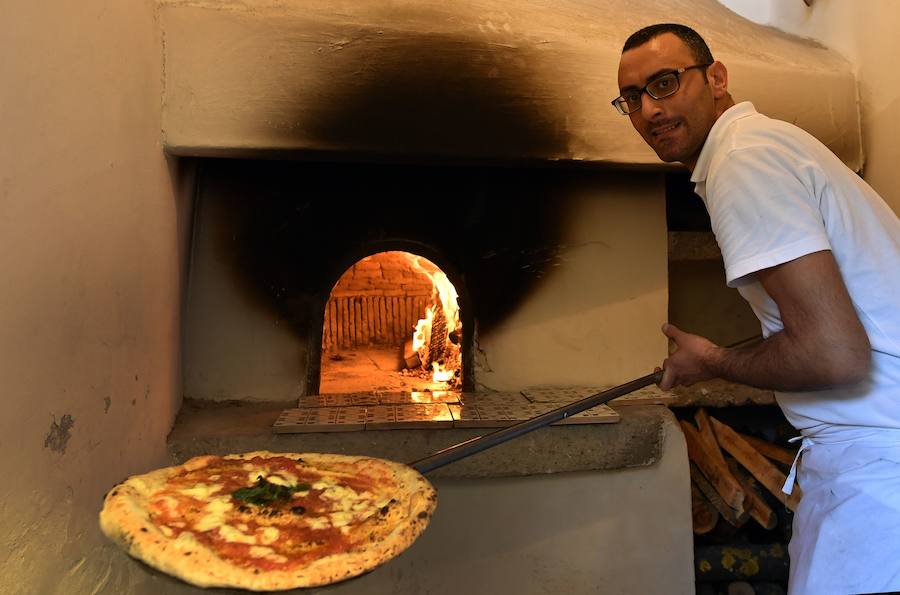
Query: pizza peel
[[480, 443]]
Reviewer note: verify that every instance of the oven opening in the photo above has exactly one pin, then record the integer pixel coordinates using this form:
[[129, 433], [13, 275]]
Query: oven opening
[[392, 323]]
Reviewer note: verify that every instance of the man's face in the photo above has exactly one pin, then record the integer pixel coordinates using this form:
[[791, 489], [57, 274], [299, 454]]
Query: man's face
[[675, 126]]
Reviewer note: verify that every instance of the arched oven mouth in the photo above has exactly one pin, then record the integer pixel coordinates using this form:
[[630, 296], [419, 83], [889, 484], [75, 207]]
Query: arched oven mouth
[[394, 321]]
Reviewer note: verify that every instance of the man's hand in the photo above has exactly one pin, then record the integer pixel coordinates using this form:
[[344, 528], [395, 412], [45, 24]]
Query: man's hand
[[692, 360]]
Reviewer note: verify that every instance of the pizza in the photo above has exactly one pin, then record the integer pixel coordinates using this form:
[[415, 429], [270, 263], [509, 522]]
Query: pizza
[[268, 521]]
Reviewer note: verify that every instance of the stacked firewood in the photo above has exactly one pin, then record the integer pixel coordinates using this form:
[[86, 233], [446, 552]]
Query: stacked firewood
[[729, 470]]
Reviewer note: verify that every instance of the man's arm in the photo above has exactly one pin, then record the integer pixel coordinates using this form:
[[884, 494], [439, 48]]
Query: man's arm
[[823, 343]]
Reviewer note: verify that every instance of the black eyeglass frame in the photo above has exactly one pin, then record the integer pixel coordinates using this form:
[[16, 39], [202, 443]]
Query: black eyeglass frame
[[619, 101]]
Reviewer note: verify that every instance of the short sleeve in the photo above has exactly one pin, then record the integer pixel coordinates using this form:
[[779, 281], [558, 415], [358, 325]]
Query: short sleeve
[[764, 210]]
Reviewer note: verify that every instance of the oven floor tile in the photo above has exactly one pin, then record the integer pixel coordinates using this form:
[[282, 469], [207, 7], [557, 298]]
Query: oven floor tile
[[320, 419]]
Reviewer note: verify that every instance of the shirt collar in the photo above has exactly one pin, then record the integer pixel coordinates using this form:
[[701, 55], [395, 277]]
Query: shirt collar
[[735, 112]]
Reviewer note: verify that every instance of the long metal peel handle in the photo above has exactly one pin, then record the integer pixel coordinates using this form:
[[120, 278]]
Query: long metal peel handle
[[479, 443]]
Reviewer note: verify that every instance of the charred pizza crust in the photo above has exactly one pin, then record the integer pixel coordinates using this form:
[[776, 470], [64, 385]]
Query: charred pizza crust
[[399, 505]]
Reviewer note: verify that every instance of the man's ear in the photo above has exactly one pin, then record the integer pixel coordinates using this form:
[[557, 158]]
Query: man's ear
[[717, 75]]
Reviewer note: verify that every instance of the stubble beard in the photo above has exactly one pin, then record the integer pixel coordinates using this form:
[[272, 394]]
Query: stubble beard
[[670, 152], [678, 149]]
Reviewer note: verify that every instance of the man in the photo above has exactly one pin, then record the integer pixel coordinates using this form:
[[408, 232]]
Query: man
[[816, 253]]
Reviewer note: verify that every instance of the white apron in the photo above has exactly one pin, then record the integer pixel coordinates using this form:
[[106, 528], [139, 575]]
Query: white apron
[[846, 531]]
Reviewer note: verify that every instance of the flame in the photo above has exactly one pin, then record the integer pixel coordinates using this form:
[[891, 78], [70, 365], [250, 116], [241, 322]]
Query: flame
[[445, 299], [441, 374], [422, 335]]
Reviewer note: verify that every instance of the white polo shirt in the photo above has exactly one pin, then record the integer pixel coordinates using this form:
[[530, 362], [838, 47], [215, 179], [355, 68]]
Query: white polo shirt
[[774, 193]]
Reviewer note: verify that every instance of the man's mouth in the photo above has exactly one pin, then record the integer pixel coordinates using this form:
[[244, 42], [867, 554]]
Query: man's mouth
[[660, 131]]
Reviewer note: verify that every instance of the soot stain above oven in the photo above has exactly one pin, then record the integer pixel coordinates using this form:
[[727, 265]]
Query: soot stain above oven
[[430, 95], [292, 228], [407, 117]]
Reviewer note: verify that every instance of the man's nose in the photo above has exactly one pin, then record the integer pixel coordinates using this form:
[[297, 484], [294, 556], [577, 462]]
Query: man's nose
[[650, 107]]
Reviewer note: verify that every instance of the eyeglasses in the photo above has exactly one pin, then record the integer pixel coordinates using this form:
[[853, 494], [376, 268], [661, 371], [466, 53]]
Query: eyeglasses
[[662, 86]]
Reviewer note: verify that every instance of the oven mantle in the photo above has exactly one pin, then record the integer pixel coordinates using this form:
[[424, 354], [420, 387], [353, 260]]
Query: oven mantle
[[487, 80]]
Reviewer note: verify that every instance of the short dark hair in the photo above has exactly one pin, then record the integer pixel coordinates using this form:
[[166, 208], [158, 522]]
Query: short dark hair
[[690, 38]]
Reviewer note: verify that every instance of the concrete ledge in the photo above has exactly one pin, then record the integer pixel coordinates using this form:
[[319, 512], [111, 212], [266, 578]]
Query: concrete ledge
[[222, 428]]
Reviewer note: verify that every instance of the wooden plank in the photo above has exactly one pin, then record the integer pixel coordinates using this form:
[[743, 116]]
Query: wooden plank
[[708, 438], [705, 431], [338, 317], [404, 315], [382, 317], [370, 326], [717, 473], [758, 466], [335, 328], [398, 337], [756, 507], [376, 318], [345, 328], [339, 328], [769, 450], [389, 320], [364, 321], [357, 310], [360, 333], [351, 323], [728, 513]]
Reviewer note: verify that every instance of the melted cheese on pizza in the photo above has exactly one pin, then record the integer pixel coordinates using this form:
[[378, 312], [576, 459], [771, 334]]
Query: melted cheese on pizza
[[269, 513]]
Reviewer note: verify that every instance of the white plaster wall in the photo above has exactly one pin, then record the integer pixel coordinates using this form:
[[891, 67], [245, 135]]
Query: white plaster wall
[[89, 258], [233, 349], [596, 319], [866, 34]]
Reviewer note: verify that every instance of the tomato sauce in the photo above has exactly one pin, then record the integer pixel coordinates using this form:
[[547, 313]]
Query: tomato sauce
[[298, 543]]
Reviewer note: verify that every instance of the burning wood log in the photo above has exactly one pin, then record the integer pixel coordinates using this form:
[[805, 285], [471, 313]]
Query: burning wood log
[[432, 337], [382, 317], [438, 337]]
